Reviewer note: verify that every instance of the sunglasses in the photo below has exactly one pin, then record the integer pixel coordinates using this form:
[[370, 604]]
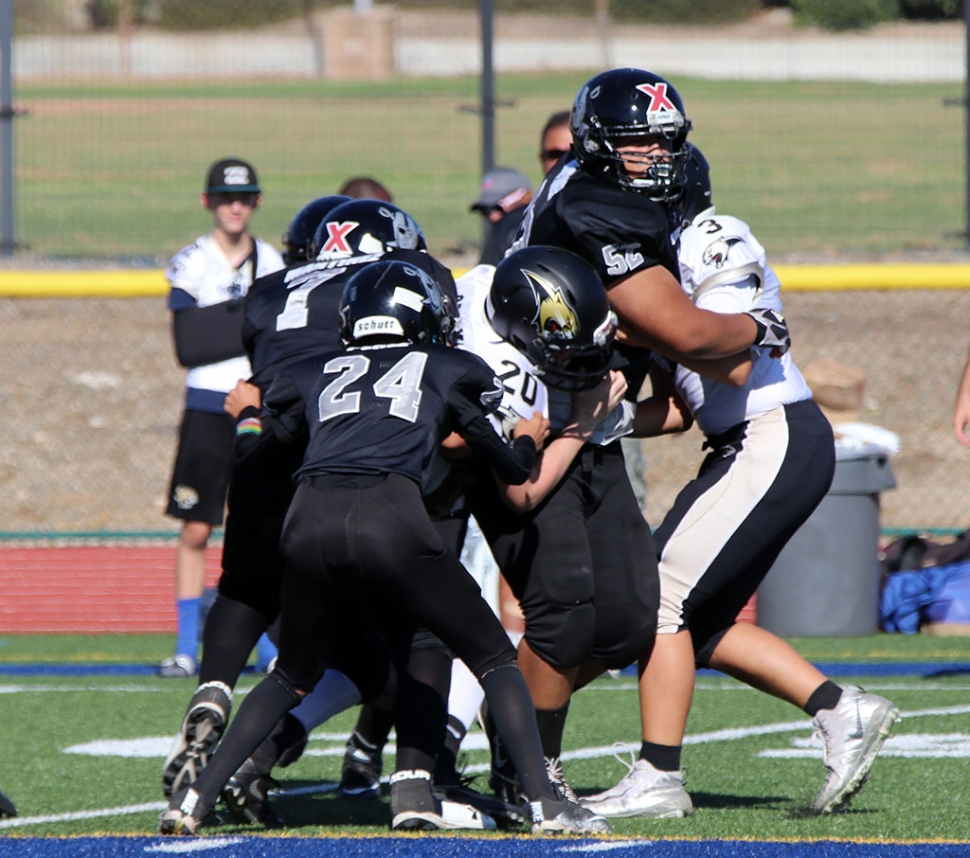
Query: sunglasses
[[552, 154], [244, 197]]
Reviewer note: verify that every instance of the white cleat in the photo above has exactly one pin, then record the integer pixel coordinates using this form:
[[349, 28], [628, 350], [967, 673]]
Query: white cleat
[[447, 816], [643, 792], [853, 733]]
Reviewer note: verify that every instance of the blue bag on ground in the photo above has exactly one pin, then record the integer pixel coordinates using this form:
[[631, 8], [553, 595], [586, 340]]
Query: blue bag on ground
[[937, 594]]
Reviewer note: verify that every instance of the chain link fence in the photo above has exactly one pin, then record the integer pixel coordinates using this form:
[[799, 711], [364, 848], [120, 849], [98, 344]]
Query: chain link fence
[[94, 403], [821, 141], [834, 149]]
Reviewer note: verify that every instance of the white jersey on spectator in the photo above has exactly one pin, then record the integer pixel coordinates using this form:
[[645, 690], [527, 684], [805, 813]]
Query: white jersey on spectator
[[201, 274], [723, 269]]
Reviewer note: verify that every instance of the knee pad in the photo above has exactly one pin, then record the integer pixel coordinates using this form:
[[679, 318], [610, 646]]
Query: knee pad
[[562, 635], [624, 645], [294, 690], [425, 639]]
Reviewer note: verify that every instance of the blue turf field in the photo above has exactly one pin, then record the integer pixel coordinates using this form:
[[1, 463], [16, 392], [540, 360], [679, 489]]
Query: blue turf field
[[443, 846]]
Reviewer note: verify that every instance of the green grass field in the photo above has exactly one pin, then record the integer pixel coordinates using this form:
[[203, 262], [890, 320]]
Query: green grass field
[[83, 754], [818, 169]]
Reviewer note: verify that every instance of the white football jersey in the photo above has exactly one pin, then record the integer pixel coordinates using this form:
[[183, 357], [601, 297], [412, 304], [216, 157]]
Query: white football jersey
[[203, 272], [723, 269], [524, 393]]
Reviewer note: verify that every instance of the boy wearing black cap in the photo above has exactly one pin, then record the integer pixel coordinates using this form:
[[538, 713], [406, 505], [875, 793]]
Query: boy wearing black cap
[[208, 280]]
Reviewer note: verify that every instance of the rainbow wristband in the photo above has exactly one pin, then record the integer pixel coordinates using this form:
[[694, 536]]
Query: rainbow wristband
[[249, 426]]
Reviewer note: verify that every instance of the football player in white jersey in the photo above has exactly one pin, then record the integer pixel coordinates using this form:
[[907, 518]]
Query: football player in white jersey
[[208, 280], [771, 461], [571, 542]]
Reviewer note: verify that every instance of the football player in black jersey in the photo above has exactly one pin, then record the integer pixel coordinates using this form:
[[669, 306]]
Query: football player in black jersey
[[376, 414], [609, 204], [288, 315]]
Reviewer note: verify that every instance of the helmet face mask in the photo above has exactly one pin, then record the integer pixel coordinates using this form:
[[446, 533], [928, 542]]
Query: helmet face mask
[[624, 106], [551, 305], [393, 301], [581, 367], [365, 228], [696, 196]]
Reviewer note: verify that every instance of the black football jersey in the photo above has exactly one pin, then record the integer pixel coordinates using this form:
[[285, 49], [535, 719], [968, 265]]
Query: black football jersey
[[293, 313], [617, 231], [386, 409]]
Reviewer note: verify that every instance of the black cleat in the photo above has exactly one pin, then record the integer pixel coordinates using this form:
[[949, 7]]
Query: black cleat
[[7, 807], [565, 817], [184, 814], [202, 728], [360, 776], [246, 796]]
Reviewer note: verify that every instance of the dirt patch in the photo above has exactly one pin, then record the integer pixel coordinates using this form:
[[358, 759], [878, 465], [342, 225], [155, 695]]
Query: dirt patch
[[94, 396]]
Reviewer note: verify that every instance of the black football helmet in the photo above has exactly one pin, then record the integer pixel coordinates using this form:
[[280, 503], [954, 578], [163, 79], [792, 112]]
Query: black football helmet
[[363, 228], [299, 234], [696, 196], [551, 305], [393, 300], [619, 104]]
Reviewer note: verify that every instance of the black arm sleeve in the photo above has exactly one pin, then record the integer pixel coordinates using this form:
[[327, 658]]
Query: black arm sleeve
[[512, 465], [205, 335], [282, 419]]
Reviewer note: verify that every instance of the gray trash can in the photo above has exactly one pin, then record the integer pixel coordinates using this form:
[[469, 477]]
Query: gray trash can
[[825, 582]]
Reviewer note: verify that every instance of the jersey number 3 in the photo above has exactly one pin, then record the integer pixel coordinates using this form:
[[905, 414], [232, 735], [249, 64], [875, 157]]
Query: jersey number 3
[[401, 384]]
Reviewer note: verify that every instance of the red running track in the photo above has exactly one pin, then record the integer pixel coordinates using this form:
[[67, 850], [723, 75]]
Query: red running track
[[92, 589], [101, 589]]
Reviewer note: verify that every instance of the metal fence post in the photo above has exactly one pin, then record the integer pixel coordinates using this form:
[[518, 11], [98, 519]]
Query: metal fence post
[[7, 114]]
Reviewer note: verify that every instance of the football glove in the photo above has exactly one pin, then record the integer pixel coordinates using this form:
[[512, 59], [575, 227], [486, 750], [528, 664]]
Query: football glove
[[772, 330]]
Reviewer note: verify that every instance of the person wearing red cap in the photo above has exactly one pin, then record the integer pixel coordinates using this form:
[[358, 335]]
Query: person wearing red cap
[[502, 199]]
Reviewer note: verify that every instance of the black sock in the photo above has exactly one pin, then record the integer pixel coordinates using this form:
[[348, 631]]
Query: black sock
[[826, 696], [664, 758], [510, 706], [446, 764], [228, 637], [551, 723], [421, 708], [287, 733], [373, 724]]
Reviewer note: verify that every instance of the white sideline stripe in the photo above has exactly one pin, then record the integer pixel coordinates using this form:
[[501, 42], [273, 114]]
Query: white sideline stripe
[[19, 821], [27, 689]]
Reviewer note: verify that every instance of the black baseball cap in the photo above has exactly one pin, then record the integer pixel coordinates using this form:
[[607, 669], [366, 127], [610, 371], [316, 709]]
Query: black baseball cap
[[230, 176]]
